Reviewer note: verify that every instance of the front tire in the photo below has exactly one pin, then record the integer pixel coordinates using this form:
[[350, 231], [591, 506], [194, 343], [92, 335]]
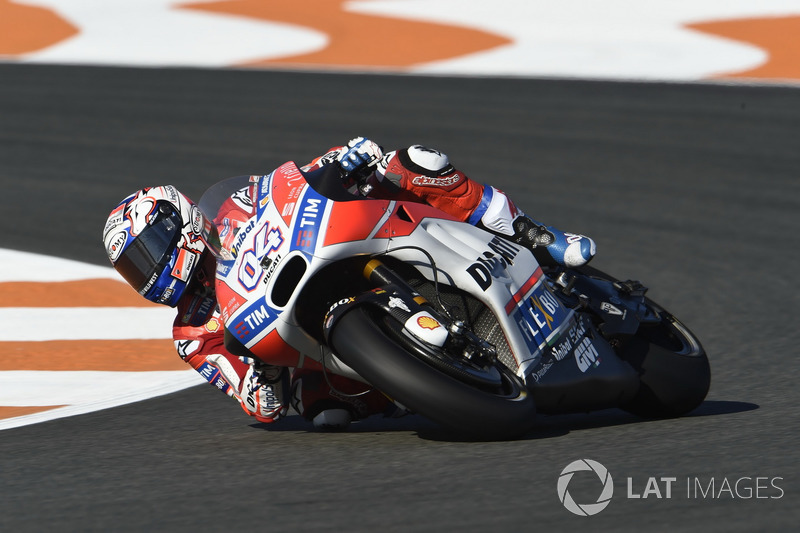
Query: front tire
[[363, 341]]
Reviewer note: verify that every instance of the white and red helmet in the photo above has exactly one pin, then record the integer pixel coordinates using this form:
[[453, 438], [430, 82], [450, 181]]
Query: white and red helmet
[[156, 239]]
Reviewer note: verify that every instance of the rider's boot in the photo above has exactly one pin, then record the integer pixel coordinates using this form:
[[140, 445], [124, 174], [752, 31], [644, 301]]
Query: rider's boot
[[551, 246]]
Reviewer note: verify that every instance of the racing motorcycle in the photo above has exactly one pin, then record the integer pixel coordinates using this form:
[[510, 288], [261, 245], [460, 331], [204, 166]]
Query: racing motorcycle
[[445, 319]]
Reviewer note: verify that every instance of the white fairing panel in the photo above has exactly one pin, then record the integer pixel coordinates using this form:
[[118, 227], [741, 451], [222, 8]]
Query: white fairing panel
[[501, 274]]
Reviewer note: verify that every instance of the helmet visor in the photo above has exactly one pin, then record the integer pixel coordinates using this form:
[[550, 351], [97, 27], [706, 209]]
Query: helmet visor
[[148, 254]]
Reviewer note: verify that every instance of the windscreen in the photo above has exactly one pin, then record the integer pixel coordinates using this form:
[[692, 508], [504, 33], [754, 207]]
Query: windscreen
[[212, 200]]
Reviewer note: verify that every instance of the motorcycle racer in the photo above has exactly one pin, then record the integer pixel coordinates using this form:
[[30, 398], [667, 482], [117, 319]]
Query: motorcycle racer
[[425, 175], [161, 244]]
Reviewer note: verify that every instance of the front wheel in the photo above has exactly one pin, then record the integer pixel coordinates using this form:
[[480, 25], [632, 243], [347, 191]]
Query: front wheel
[[497, 407]]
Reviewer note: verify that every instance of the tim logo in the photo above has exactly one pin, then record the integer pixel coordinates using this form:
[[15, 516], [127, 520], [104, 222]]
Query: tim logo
[[241, 329], [305, 238], [308, 220]]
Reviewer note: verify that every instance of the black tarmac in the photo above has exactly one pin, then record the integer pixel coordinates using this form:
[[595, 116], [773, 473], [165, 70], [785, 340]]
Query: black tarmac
[[693, 189]]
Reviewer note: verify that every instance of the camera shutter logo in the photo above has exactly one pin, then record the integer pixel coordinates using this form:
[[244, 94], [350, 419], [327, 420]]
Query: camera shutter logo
[[586, 509]]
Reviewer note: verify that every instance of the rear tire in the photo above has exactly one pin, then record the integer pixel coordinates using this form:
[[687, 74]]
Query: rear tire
[[366, 344], [673, 366]]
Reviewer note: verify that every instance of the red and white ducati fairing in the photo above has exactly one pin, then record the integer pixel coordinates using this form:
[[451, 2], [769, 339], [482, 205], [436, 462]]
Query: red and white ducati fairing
[[454, 323]]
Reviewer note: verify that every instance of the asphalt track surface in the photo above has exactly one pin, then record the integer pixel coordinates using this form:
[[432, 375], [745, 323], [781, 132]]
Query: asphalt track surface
[[691, 188]]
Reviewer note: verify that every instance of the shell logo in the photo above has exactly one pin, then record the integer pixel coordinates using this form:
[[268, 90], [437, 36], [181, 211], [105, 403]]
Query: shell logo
[[212, 325], [428, 322], [75, 338]]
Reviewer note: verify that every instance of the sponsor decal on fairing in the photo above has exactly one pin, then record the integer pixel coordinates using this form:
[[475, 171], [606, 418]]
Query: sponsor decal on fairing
[[308, 221], [254, 322], [493, 262], [540, 317]]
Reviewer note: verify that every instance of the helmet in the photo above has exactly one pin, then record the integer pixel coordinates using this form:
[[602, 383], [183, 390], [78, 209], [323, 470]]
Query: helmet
[[158, 240]]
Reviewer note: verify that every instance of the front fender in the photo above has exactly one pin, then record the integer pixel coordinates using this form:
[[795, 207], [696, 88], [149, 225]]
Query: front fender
[[406, 308]]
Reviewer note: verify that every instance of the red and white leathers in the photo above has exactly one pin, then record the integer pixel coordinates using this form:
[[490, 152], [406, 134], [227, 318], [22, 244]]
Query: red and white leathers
[[416, 174], [425, 175], [202, 347], [262, 389]]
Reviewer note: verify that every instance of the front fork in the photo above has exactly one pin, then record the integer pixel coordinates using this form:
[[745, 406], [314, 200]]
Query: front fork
[[421, 319]]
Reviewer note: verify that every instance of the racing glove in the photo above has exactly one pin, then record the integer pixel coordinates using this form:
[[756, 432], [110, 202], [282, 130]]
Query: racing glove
[[264, 392], [358, 159]]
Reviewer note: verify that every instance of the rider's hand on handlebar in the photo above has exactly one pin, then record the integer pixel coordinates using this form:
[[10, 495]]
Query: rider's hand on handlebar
[[359, 158]]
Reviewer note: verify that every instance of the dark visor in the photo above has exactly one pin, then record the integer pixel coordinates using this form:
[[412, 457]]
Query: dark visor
[[152, 249]]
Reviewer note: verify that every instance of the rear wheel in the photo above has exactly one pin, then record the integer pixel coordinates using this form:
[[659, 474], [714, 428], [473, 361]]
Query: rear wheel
[[673, 366], [481, 401]]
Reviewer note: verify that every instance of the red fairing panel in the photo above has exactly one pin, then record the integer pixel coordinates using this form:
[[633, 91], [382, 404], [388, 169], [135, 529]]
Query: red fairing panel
[[341, 228]]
